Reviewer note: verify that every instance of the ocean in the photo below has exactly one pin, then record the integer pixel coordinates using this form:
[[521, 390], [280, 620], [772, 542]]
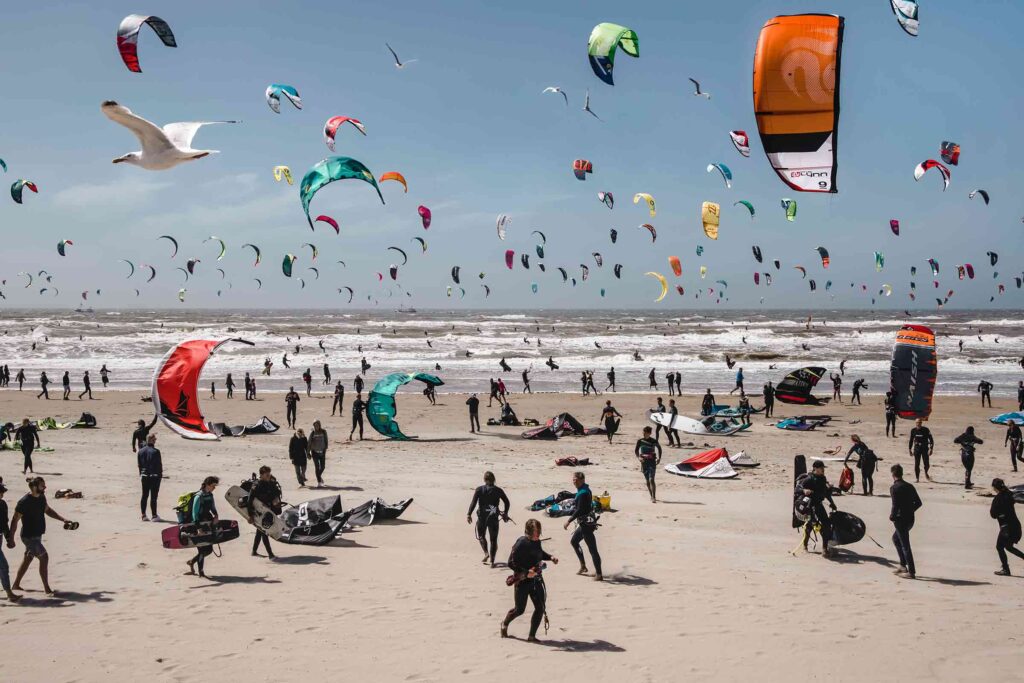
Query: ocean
[[131, 343]]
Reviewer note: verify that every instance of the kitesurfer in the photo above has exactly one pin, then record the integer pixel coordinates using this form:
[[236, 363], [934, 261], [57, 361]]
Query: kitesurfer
[[551, 361], [267, 491], [44, 381], [32, 511], [608, 415], [141, 432], [284, 361], [707, 404], [905, 503], [890, 413], [671, 431], [837, 386], [921, 446], [817, 488], [985, 388], [586, 525], [739, 382], [744, 407], [486, 499], [611, 380], [679, 383], [291, 403], [866, 463], [527, 562], [648, 452], [1013, 439], [358, 408], [857, 386], [151, 471], [364, 365], [66, 382], [1003, 512], [204, 511], [660, 408], [357, 384], [526, 382], [104, 375], [504, 366], [768, 392], [339, 398], [842, 366], [967, 442], [28, 435], [298, 453], [318, 451], [474, 413]]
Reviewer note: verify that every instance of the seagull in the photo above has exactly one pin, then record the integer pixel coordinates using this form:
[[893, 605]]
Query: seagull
[[697, 86], [586, 107], [556, 89], [398, 62], [162, 148]]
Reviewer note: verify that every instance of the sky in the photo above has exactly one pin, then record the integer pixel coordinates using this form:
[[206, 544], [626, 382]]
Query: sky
[[467, 125]]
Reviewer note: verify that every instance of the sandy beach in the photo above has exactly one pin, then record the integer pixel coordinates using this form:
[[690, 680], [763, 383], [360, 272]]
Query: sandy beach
[[701, 585]]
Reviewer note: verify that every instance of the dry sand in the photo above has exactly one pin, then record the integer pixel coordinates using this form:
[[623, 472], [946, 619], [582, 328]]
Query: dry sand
[[702, 585]]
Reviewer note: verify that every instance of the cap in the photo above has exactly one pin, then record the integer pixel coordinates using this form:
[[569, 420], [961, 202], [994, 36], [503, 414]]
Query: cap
[[817, 463]]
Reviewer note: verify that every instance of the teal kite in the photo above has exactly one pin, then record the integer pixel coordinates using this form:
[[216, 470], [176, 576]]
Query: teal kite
[[286, 264], [329, 170], [381, 408]]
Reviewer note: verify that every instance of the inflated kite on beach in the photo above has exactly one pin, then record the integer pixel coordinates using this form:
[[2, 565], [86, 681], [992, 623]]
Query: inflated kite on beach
[[381, 407]]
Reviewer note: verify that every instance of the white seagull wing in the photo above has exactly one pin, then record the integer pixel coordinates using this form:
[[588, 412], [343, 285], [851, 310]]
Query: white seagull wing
[[152, 138], [181, 134]]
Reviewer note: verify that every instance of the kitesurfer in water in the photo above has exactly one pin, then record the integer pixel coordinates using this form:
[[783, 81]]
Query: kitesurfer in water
[[648, 452], [608, 418], [1002, 510], [586, 525], [866, 463], [485, 500], [921, 446], [284, 361], [527, 562]]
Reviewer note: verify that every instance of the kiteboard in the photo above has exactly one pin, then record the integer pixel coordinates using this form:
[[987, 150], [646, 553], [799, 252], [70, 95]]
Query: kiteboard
[[178, 536], [799, 469], [264, 518], [689, 425]]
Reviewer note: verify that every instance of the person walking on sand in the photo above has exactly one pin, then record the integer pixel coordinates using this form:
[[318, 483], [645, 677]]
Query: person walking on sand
[[267, 491], [837, 386], [493, 394], [31, 512], [327, 375], [6, 537], [66, 383], [307, 378], [358, 408], [486, 499], [858, 384], [921, 446], [104, 375], [707, 404], [204, 511], [671, 379], [357, 383], [905, 503], [151, 471], [648, 452], [817, 488], [44, 382], [20, 379], [608, 418], [1013, 439], [744, 406], [474, 413], [866, 463], [318, 443], [298, 453], [586, 524], [339, 400], [611, 380], [985, 389], [890, 413], [739, 382], [527, 562], [526, 382], [768, 392], [28, 435], [229, 386], [652, 379], [1020, 391], [1002, 510], [967, 442], [660, 408], [291, 403], [671, 431], [248, 387], [590, 383], [87, 384]]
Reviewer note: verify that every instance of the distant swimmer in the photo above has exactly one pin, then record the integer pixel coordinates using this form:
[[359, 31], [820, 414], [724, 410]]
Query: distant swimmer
[[504, 366], [378, 345], [962, 350], [729, 361], [437, 367], [744, 339], [321, 345], [359, 348], [365, 366], [551, 363], [538, 341], [297, 349], [637, 356], [525, 340], [478, 329], [773, 366], [996, 340], [469, 354], [805, 347]]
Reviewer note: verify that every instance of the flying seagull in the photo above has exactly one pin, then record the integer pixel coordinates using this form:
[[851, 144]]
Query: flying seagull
[[558, 90], [698, 92], [586, 107], [162, 148], [399, 64]]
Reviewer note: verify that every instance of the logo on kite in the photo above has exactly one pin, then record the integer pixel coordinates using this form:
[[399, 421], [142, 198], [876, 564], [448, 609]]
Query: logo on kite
[[581, 167], [709, 214], [647, 198], [604, 41]]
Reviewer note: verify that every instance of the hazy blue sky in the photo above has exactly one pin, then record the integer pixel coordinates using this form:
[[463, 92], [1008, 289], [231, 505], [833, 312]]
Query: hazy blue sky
[[470, 130]]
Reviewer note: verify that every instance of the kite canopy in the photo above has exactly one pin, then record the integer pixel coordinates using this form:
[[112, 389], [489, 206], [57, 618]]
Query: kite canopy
[[329, 170], [128, 37], [796, 98], [331, 128], [950, 152], [276, 90], [796, 386], [176, 387], [929, 164], [913, 371], [906, 14], [381, 408], [18, 186], [740, 141], [709, 213], [605, 39], [662, 281]]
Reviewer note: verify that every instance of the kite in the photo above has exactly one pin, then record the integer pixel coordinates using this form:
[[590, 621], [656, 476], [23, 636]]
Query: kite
[[455, 274], [725, 285], [906, 15], [605, 39], [879, 261], [274, 92], [925, 166], [983, 193], [740, 141], [61, 246], [502, 225], [540, 252], [970, 270], [581, 167], [487, 291], [191, 265], [152, 272], [524, 258], [828, 285], [173, 241], [393, 271], [768, 279], [700, 249], [351, 293], [585, 271], [329, 170], [823, 253], [543, 237], [510, 257], [813, 285], [565, 275], [709, 213], [130, 265], [886, 290], [312, 247], [3, 164], [128, 37], [598, 259], [803, 272], [398, 63], [557, 90], [697, 92], [18, 186], [757, 253], [397, 177], [647, 198], [223, 275], [796, 98], [993, 257], [750, 207], [283, 172], [664, 284], [614, 234], [677, 267], [894, 225], [381, 407], [181, 295], [331, 128], [286, 264], [703, 272], [424, 216], [789, 205], [223, 247], [256, 250], [950, 153], [607, 199], [650, 228], [777, 264], [724, 170], [618, 270], [757, 278], [934, 265]]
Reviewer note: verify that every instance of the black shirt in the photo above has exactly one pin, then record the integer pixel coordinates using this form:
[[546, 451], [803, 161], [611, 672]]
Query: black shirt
[[921, 440], [819, 488], [33, 515], [1013, 434], [526, 555], [474, 405], [150, 462], [297, 448], [905, 502], [1002, 510], [28, 435], [486, 497], [5, 528], [647, 448], [266, 492], [358, 406]]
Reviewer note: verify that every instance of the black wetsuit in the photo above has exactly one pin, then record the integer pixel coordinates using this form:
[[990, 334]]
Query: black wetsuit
[[151, 471], [526, 382], [967, 443], [358, 407], [707, 404], [586, 525], [291, 402], [474, 413], [526, 555], [1013, 438], [648, 451], [268, 493], [921, 445], [298, 453], [611, 380], [28, 435], [857, 384], [485, 500], [611, 425], [769, 400], [339, 398], [1009, 526], [672, 432], [866, 463], [905, 503], [985, 387], [820, 492], [229, 384], [140, 434], [890, 415]]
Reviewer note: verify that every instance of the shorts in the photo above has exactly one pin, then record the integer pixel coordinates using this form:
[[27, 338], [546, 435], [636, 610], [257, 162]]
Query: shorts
[[34, 546], [648, 467]]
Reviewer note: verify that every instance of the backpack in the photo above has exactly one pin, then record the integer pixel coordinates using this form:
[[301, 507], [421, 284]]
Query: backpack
[[184, 507], [846, 479]]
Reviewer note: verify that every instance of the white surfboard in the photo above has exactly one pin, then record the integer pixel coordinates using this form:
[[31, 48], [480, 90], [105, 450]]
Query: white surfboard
[[264, 518], [688, 425]]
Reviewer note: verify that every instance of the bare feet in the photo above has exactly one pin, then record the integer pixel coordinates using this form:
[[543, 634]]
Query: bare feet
[[12, 597], [598, 577], [582, 571], [191, 567], [504, 630]]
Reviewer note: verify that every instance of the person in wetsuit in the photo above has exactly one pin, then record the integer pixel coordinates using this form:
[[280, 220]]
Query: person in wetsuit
[[485, 500], [858, 384], [586, 525], [866, 463], [526, 382], [648, 452], [267, 491], [890, 413], [526, 560], [817, 488], [1009, 525], [652, 379], [358, 408], [967, 442], [611, 380], [707, 404], [291, 403], [28, 435], [1013, 439], [204, 511], [608, 415], [985, 388], [66, 383], [768, 392], [921, 446], [339, 400], [837, 386], [229, 384], [905, 503], [671, 431], [141, 432]]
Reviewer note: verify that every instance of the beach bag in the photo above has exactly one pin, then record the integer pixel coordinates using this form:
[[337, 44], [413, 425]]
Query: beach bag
[[846, 479], [184, 507]]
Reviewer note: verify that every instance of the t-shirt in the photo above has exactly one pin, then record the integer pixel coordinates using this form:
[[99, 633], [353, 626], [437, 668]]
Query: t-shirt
[[33, 515]]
